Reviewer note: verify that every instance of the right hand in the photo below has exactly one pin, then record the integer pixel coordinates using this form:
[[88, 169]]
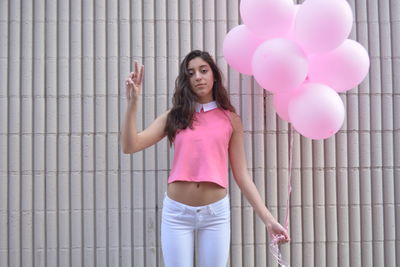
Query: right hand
[[133, 83]]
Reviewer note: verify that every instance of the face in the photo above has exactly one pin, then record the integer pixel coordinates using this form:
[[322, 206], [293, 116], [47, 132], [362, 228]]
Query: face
[[201, 79]]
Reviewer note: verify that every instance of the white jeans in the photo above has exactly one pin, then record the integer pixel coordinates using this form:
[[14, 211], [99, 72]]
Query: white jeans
[[211, 225]]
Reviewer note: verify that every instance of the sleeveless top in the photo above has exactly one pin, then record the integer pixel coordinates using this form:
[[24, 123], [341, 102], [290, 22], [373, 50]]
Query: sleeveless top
[[201, 153]]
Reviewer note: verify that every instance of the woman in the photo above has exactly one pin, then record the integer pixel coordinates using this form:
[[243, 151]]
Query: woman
[[205, 131]]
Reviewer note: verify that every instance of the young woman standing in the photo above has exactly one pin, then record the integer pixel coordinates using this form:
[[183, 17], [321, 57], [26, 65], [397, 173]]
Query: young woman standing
[[205, 132]]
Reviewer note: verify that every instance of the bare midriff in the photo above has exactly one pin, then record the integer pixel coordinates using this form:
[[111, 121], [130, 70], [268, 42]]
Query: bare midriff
[[195, 193]]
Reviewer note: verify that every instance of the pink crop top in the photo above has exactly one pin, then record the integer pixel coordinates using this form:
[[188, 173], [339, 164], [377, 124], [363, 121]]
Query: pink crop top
[[201, 153]]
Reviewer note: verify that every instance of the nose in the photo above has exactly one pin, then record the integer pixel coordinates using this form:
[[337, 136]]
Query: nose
[[197, 75]]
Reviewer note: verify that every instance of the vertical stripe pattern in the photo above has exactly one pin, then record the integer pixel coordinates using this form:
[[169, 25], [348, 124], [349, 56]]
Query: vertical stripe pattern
[[70, 197]]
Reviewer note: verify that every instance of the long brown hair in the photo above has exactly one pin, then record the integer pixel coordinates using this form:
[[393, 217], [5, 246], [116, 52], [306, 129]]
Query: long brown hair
[[184, 99]]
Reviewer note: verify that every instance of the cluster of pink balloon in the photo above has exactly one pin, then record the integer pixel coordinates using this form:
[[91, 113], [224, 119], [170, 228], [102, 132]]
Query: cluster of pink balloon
[[302, 55]]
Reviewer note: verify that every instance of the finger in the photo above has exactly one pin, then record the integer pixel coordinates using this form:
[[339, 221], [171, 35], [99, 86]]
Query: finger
[[282, 239], [128, 82], [136, 68], [131, 76], [141, 74], [287, 238]]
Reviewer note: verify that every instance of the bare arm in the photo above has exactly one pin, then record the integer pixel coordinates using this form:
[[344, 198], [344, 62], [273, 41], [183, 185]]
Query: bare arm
[[239, 168], [132, 141]]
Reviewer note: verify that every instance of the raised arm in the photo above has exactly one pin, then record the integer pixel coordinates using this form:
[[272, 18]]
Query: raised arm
[[239, 168], [131, 140]]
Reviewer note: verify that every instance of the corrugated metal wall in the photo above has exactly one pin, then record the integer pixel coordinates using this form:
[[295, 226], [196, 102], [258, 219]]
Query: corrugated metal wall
[[69, 197]]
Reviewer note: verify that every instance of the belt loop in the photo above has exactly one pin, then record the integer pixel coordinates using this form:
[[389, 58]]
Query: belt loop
[[211, 210]]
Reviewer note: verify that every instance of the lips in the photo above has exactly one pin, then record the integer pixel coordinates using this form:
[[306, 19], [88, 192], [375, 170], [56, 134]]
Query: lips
[[200, 85]]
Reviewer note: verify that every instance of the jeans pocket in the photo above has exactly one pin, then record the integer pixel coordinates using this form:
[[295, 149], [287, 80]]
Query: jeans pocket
[[171, 209], [222, 209]]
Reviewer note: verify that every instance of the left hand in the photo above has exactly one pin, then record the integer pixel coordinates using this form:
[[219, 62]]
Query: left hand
[[276, 230]]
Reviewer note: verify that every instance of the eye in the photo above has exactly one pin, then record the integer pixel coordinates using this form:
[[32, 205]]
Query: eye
[[190, 73], [204, 71]]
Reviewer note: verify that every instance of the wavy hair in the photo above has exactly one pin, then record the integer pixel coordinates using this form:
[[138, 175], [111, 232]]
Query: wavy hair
[[183, 102]]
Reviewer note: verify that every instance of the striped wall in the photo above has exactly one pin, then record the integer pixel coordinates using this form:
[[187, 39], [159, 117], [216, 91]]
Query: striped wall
[[70, 197]]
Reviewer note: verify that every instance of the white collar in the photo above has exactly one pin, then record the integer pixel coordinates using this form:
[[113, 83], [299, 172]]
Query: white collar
[[206, 107]]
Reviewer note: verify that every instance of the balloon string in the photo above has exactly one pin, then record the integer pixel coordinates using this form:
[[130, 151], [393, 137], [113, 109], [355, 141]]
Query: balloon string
[[289, 176], [274, 247]]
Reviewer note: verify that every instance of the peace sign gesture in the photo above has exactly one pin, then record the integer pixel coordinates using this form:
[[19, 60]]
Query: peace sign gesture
[[133, 83]]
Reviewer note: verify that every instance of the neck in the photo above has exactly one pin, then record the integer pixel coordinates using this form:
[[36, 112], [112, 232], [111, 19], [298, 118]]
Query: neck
[[204, 100]]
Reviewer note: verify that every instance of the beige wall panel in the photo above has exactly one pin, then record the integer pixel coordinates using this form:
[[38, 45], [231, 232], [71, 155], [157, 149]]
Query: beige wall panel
[[70, 197]]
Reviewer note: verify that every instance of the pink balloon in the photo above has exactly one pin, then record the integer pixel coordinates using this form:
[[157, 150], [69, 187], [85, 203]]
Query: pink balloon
[[343, 68], [316, 111], [239, 46], [321, 26], [281, 101], [279, 65], [267, 18]]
